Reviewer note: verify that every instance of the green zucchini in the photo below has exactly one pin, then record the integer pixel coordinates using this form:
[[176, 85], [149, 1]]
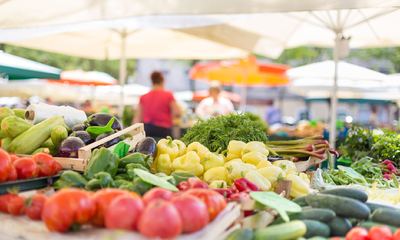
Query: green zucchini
[[339, 226], [30, 140], [348, 192], [5, 112], [374, 206], [41, 150], [316, 228], [301, 201], [342, 206], [241, 234], [370, 224], [58, 134], [386, 216], [317, 238], [318, 214], [14, 126], [5, 143], [283, 231], [2, 135], [19, 113]]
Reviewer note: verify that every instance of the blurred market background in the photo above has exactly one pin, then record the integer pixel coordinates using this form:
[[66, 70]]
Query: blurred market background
[[93, 83]]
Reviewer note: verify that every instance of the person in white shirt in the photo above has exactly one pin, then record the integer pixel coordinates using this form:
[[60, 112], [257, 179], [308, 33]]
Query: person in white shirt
[[214, 105]]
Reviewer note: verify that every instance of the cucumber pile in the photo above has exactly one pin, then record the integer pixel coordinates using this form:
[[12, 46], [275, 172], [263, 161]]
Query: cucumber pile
[[327, 214]]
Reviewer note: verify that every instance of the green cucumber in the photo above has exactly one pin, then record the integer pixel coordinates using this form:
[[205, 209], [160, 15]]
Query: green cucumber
[[14, 126], [339, 226], [386, 216], [301, 201], [370, 224], [5, 112], [241, 234], [342, 206], [19, 113], [30, 140], [316, 228], [283, 231], [58, 134], [348, 192], [374, 206], [5, 143], [318, 214]]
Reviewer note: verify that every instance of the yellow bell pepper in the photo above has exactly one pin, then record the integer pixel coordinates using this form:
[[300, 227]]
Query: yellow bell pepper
[[264, 164], [200, 149], [218, 184], [273, 174], [235, 149], [287, 166], [190, 162], [215, 173], [227, 164], [168, 147], [212, 160], [298, 188], [259, 180], [181, 147], [254, 157], [255, 146], [238, 170], [164, 164], [305, 178]]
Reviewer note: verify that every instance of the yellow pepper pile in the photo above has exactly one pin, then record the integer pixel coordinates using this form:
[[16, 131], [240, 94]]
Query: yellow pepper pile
[[242, 161]]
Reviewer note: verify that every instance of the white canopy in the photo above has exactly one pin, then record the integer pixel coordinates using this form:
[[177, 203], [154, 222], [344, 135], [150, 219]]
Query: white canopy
[[35, 13]]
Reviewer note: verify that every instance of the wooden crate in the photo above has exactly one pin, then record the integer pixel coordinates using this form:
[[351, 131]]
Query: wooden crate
[[80, 163]]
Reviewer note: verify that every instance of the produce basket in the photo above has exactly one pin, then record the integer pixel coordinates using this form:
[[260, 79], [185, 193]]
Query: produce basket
[[22, 227], [34, 183], [80, 163]]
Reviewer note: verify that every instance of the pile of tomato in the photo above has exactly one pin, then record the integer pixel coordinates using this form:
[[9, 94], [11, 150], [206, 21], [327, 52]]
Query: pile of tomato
[[374, 233], [39, 165], [160, 213]]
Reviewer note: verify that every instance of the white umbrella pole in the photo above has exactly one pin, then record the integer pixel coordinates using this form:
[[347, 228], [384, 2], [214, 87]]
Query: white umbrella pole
[[334, 100], [122, 71]]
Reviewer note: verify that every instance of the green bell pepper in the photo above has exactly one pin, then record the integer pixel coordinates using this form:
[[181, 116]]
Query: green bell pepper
[[141, 187], [140, 158], [102, 160], [181, 176], [121, 170], [126, 185], [123, 176], [100, 180], [130, 170], [119, 182], [70, 179]]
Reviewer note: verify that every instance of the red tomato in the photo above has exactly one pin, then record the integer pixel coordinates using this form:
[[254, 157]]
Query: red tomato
[[160, 219], [34, 206], [13, 158], [396, 235], [380, 233], [102, 199], [46, 164], [193, 211], [357, 233], [16, 205], [66, 207], [5, 199], [214, 201], [156, 193], [5, 165], [13, 175], [130, 207], [57, 167], [26, 168]]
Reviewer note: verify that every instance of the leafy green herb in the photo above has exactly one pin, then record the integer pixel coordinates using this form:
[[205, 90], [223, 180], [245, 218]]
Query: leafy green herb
[[217, 132]]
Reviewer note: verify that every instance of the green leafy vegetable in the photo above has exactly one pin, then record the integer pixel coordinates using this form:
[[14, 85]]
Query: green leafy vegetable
[[155, 180], [217, 132]]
